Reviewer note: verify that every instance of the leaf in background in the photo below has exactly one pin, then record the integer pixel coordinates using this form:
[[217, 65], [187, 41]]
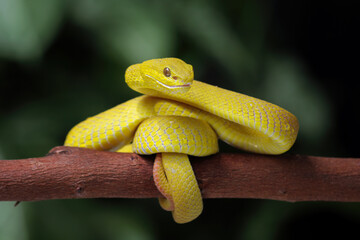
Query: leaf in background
[[32, 130], [12, 222], [27, 135], [27, 27], [265, 223], [129, 30], [89, 219], [125, 224], [1, 153], [209, 29]]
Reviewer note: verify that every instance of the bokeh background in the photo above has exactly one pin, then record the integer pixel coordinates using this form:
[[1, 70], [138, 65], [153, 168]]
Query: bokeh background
[[62, 61]]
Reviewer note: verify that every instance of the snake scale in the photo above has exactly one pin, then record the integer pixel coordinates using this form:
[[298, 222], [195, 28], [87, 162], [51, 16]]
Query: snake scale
[[178, 116]]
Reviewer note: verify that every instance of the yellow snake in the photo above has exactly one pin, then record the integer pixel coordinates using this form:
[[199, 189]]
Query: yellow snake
[[179, 116]]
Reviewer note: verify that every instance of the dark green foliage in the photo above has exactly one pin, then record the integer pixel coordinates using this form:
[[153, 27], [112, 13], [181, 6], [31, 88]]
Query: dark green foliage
[[63, 61]]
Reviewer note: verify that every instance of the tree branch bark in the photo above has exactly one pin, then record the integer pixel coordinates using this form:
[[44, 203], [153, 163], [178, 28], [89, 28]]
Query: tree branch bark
[[68, 172]]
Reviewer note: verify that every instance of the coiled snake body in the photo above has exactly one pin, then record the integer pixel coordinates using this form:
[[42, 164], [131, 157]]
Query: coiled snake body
[[179, 116]]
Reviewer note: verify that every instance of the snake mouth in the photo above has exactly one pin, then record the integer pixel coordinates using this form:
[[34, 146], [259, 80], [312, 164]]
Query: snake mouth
[[170, 86], [174, 86]]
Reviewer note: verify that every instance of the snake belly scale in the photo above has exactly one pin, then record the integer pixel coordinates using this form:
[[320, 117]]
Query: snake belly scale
[[178, 116]]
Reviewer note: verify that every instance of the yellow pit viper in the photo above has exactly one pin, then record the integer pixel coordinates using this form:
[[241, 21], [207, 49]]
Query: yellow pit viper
[[177, 117]]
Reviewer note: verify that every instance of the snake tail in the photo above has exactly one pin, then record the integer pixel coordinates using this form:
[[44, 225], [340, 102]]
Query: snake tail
[[175, 179]]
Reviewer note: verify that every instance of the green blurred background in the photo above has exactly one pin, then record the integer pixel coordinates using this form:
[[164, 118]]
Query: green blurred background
[[62, 61]]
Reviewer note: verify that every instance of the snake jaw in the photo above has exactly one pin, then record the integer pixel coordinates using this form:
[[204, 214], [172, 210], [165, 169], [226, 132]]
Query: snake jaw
[[186, 85]]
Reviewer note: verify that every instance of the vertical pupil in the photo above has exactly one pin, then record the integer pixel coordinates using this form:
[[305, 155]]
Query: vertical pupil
[[167, 72]]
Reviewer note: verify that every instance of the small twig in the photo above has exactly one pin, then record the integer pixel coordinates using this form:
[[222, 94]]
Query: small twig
[[82, 173]]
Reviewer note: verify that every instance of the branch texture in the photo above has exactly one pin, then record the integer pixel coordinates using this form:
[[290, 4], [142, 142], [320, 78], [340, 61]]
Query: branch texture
[[68, 172]]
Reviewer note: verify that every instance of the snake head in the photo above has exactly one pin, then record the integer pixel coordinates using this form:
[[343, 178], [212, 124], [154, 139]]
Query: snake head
[[164, 75]]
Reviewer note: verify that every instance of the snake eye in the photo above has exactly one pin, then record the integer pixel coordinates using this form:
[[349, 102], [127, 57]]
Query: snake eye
[[167, 72]]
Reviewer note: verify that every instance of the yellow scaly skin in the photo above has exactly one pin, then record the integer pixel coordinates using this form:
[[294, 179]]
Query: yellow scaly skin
[[179, 116]]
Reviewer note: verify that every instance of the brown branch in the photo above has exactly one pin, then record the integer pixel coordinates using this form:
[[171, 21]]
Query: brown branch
[[82, 173]]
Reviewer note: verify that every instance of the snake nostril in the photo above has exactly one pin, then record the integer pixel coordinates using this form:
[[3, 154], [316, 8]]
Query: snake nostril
[[175, 78]]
